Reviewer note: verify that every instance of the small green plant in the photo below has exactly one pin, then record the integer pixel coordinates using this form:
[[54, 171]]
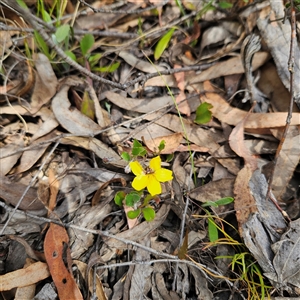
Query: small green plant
[[203, 113], [213, 228], [146, 184], [250, 274]]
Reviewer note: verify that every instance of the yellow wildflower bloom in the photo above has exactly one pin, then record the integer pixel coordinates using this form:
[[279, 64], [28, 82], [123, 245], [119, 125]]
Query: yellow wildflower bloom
[[151, 176]]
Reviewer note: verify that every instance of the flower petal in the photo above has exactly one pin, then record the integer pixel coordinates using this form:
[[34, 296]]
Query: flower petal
[[140, 182], [155, 163], [163, 175], [136, 168], [153, 186]]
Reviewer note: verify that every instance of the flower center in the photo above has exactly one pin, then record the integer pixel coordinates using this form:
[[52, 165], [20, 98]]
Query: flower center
[[148, 171]]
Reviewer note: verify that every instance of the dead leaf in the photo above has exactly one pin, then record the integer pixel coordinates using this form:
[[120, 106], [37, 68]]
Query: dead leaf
[[287, 162], [172, 142], [270, 26], [45, 83], [228, 67], [12, 191], [58, 257], [230, 115], [72, 119], [26, 292], [7, 163], [236, 142], [195, 133], [180, 79], [24, 277], [244, 203], [100, 293], [139, 105]]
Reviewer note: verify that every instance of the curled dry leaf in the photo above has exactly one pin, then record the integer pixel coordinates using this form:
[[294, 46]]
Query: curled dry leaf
[[72, 119], [57, 252]]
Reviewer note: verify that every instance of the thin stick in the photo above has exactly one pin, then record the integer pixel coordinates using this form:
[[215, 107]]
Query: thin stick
[[291, 65]]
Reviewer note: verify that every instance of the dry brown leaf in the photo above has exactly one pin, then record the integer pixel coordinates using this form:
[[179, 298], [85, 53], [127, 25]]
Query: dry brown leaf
[[213, 190], [30, 157], [230, 115], [26, 292], [180, 79], [244, 203], [45, 83], [57, 252], [227, 67], [140, 231], [130, 222], [11, 192], [139, 105], [54, 188], [24, 277], [172, 142], [287, 162], [139, 64], [7, 163], [72, 119], [195, 133], [106, 153], [236, 142], [100, 293]]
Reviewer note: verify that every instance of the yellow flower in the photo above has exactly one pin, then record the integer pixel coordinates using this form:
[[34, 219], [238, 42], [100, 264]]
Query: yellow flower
[[150, 177]]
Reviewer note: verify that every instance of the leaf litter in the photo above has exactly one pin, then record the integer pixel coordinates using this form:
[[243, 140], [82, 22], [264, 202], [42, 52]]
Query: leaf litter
[[62, 133]]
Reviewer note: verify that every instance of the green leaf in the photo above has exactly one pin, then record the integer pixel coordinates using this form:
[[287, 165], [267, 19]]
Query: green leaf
[[138, 149], [148, 213], [86, 43], [71, 55], [209, 203], [22, 3], [108, 69], [41, 43], [62, 32], [225, 4], [203, 113], [126, 156], [162, 145], [94, 59], [46, 16], [132, 198], [133, 213], [147, 199], [119, 197], [87, 106], [224, 201], [170, 157], [212, 230], [163, 44]]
